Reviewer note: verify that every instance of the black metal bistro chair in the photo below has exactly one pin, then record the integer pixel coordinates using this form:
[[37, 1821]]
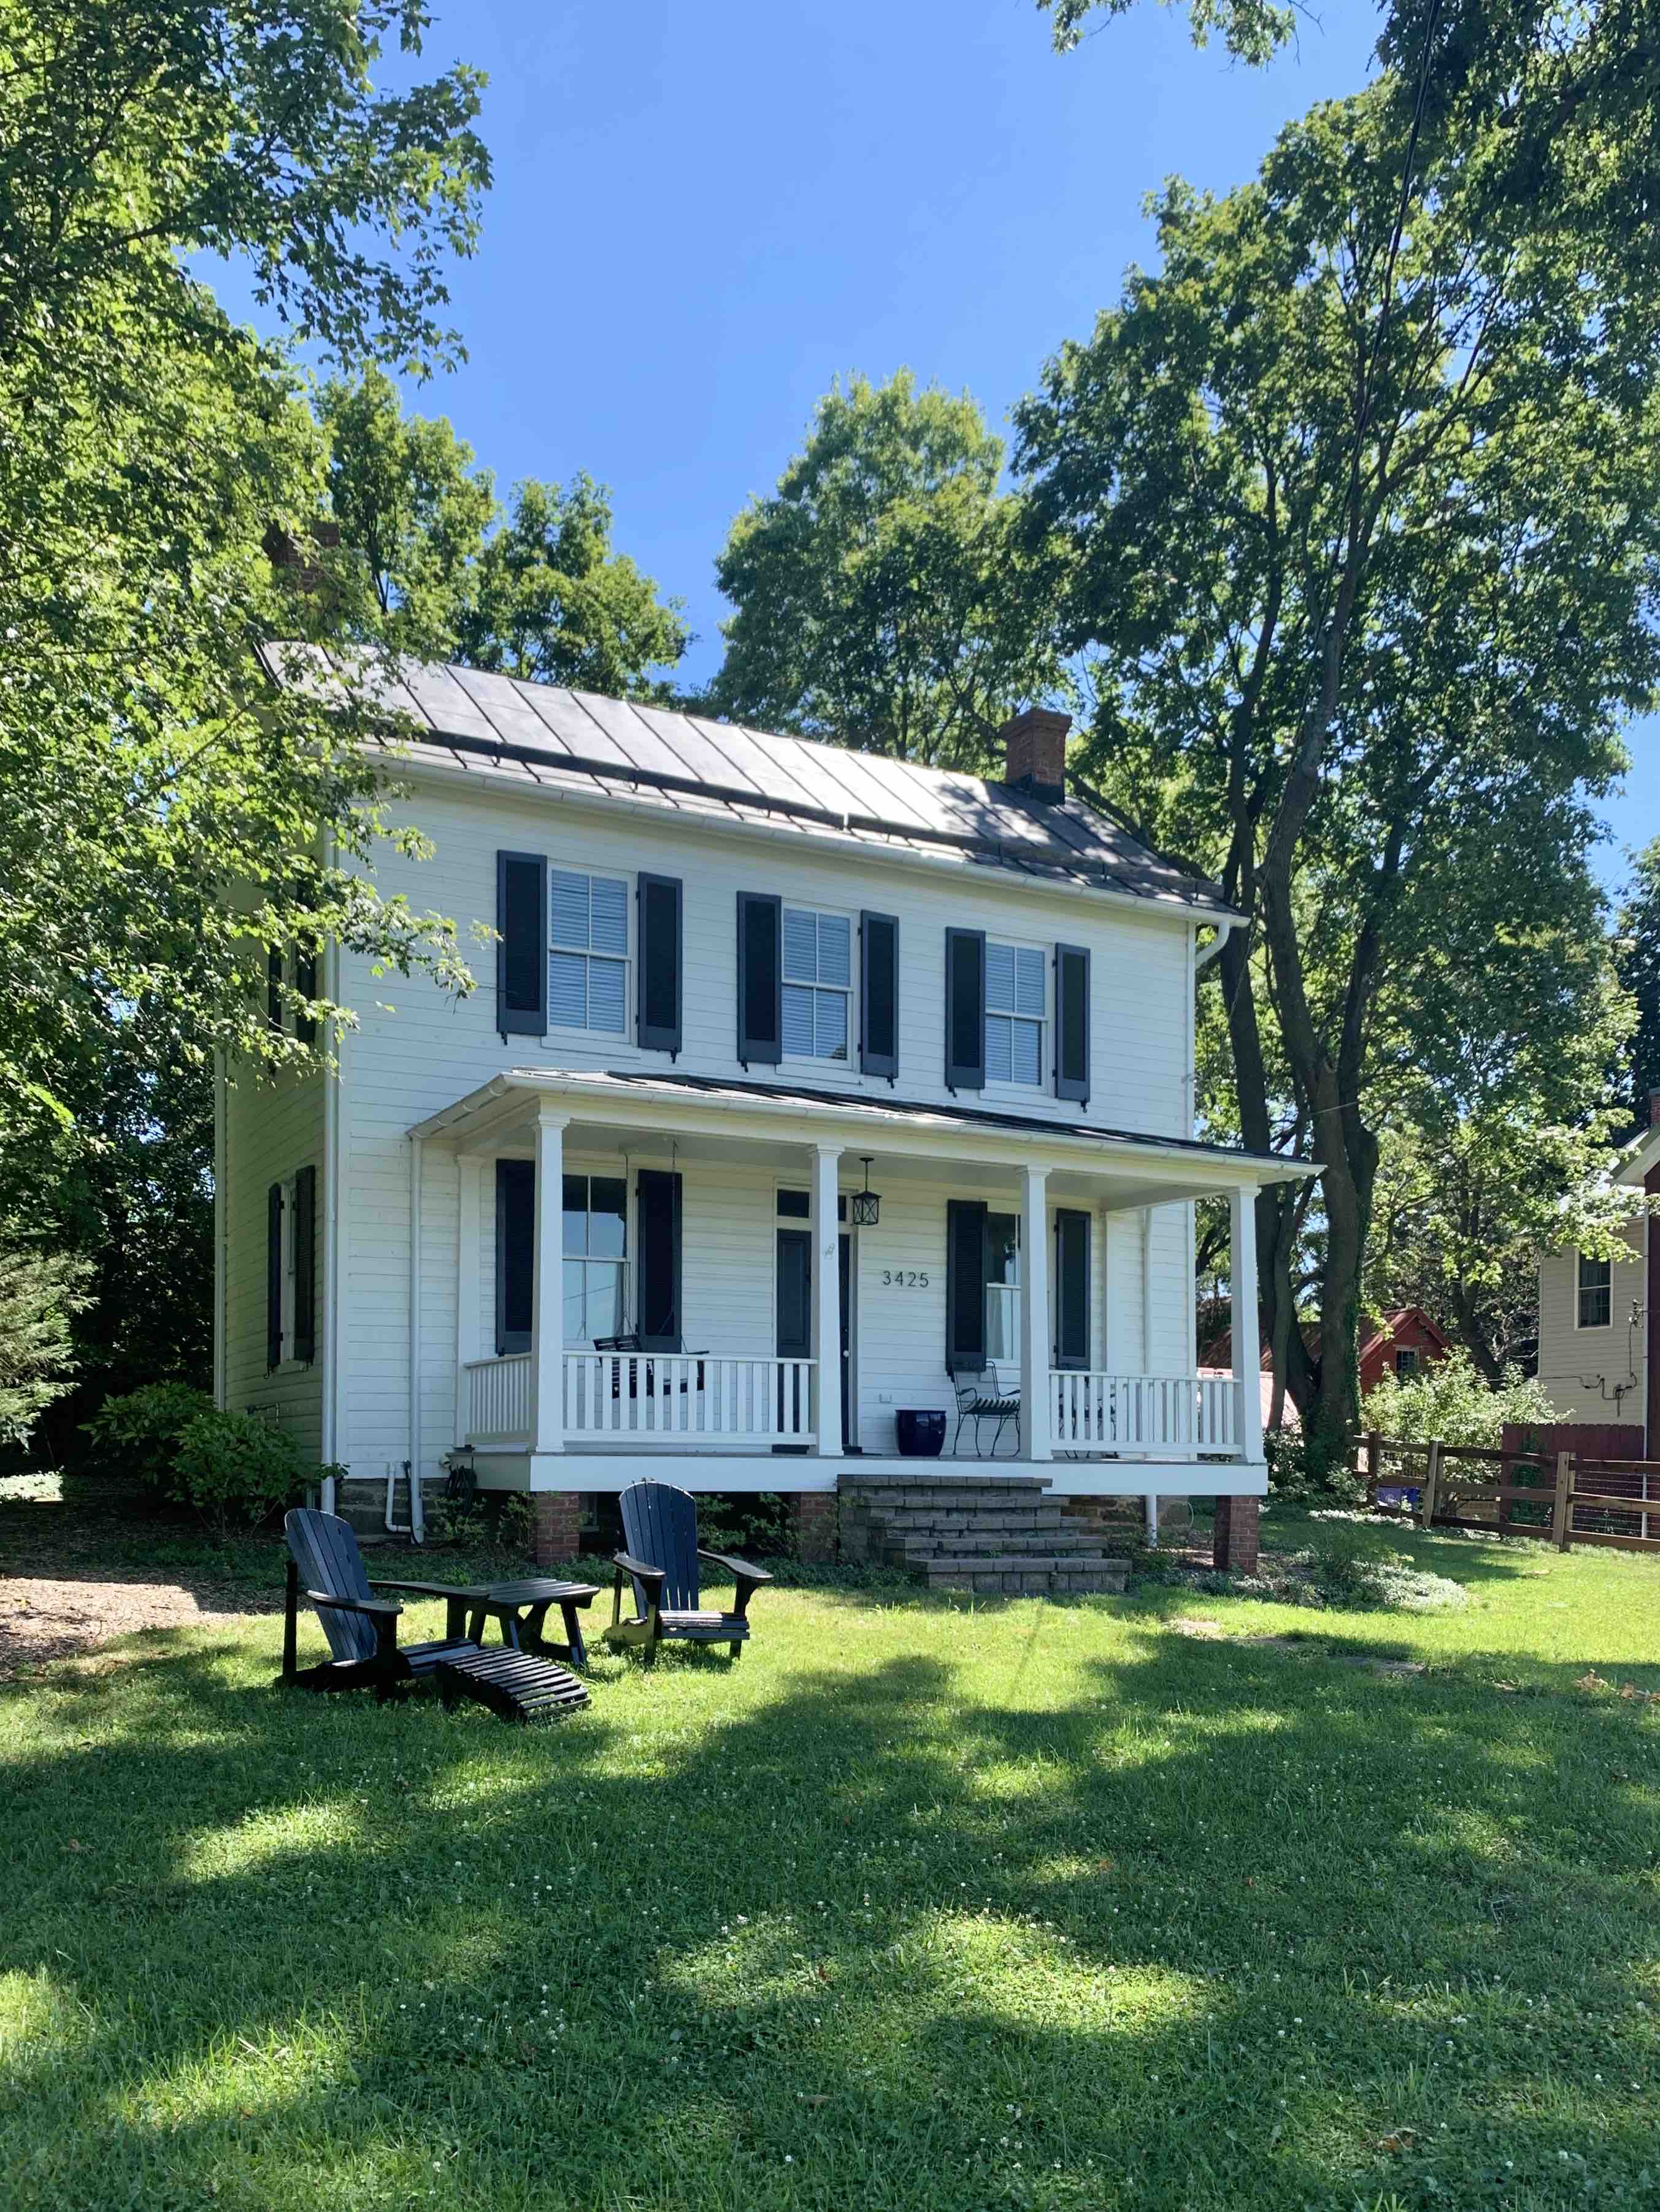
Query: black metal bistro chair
[[983, 1396]]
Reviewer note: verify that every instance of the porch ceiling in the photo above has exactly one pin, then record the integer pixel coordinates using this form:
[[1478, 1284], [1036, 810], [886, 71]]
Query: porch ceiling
[[771, 1123]]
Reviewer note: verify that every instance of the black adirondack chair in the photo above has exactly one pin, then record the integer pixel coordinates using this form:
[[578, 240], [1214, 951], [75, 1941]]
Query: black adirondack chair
[[659, 1525], [363, 1632]]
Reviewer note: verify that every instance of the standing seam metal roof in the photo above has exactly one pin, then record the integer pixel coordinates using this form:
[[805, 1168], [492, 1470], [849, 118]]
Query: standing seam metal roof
[[474, 719]]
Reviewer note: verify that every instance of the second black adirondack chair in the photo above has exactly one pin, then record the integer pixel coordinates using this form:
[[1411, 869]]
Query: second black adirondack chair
[[660, 1526], [325, 1564]]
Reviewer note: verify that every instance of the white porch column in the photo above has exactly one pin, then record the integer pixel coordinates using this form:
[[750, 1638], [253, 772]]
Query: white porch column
[[547, 1327], [826, 1303], [469, 1284], [1035, 1349], [1246, 1330]]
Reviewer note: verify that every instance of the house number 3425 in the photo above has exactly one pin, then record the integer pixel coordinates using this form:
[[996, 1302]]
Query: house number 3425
[[904, 1278]]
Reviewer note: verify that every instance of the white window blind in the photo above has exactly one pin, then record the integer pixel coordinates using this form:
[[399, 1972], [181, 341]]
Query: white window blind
[[818, 984], [1016, 1000], [589, 958]]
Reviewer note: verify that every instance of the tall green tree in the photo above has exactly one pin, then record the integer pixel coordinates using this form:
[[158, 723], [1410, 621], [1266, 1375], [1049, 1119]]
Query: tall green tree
[[1638, 929], [412, 511], [428, 562], [166, 814], [874, 591], [551, 599], [1352, 510]]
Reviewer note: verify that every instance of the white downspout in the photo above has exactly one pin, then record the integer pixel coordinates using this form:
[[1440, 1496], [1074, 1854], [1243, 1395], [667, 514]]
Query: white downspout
[[1225, 927], [418, 1526]]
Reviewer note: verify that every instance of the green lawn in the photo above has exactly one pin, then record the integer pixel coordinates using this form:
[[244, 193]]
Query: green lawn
[[916, 1905]]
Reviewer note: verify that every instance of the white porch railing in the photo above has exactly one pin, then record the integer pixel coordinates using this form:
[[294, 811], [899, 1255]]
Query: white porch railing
[[680, 1397], [498, 1400], [688, 1396], [1094, 1412]]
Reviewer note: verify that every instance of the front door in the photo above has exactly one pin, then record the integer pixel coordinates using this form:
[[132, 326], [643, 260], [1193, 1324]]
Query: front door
[[794, 1305]]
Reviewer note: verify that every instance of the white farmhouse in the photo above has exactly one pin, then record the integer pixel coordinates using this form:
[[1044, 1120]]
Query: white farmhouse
[[609, 1214]]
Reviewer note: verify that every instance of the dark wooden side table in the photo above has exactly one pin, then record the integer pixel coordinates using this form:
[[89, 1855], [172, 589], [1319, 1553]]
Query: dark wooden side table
[[522, 1608]]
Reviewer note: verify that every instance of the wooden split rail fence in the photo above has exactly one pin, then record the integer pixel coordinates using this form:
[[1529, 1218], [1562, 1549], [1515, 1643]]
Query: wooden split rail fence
[[1561, 1497]]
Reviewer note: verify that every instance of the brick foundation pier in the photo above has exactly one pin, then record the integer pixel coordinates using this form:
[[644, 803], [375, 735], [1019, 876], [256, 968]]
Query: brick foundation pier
[[1234, 1544], [558, 1526]]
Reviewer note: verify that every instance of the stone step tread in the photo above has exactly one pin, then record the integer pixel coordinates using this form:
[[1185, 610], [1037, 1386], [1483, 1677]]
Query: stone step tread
[[956, 1478], [954, 1524], [1023, 1562], [917, 1554]]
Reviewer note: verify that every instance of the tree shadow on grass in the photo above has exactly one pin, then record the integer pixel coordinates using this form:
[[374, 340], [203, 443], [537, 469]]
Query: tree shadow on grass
[[1218, 1923]]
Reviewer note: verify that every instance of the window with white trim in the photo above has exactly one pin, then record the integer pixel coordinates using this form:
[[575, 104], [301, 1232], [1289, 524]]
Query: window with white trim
[[1017, 1007], [1596, 1293], [595, 1243], [818, 985], [587, 952]]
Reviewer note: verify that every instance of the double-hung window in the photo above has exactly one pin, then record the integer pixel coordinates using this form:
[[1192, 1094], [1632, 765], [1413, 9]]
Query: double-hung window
[[588, 952], [1596, 1293], [596, 1239], [1017, 1005], [818, 985]]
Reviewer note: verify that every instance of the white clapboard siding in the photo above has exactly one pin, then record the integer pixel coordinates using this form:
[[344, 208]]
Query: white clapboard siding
[[270, 1130], [1581, 1368]]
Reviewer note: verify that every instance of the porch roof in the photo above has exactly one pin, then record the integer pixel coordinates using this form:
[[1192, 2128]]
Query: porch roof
[[634, 1100]]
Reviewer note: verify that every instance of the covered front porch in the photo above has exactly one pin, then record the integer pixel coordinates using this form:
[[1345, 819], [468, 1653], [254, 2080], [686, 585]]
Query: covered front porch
[[648, 1269]]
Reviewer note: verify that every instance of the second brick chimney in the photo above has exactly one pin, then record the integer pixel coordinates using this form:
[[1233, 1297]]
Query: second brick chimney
[[1037, 754]]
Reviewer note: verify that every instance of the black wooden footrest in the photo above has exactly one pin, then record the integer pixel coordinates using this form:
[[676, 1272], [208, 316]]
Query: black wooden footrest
[[514, 1684]]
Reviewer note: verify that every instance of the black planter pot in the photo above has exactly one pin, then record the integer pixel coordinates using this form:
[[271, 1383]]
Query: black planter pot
[[921, 1433]]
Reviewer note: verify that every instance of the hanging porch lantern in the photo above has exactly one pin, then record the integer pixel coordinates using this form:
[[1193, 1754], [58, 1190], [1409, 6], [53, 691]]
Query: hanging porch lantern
[[865, 1210]]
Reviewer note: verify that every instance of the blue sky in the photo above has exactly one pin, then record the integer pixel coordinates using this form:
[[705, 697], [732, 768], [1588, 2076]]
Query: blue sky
[[702, 216]]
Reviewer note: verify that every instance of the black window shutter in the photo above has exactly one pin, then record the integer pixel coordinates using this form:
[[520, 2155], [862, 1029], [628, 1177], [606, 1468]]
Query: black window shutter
[[879, 994], [965, 1285], [1071, 1289], [965, 1010], [274, 986], [273, 1277], [305, 982], [521, 955], [1071, 1023], [662, 963], [304, 1265], [516, 1253], [657, 1216], [760, 979]]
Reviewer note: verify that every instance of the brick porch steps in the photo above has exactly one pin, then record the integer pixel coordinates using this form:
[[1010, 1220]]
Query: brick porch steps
[[989, 1534]]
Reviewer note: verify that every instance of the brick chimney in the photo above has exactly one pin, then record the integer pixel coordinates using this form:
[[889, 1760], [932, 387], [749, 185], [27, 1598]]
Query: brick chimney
[[1037, 750], [295, 561], [1654, 1109]]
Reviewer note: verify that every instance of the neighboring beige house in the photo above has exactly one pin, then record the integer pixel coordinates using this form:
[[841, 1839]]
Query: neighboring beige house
[[1598, 1318]]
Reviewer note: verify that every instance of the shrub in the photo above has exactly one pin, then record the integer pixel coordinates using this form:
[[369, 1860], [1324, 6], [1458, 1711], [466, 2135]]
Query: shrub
[[138, 1434], [751, 1524], [1453, 1403], [1296, 1472], [39, 1293], [234, 1466]]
